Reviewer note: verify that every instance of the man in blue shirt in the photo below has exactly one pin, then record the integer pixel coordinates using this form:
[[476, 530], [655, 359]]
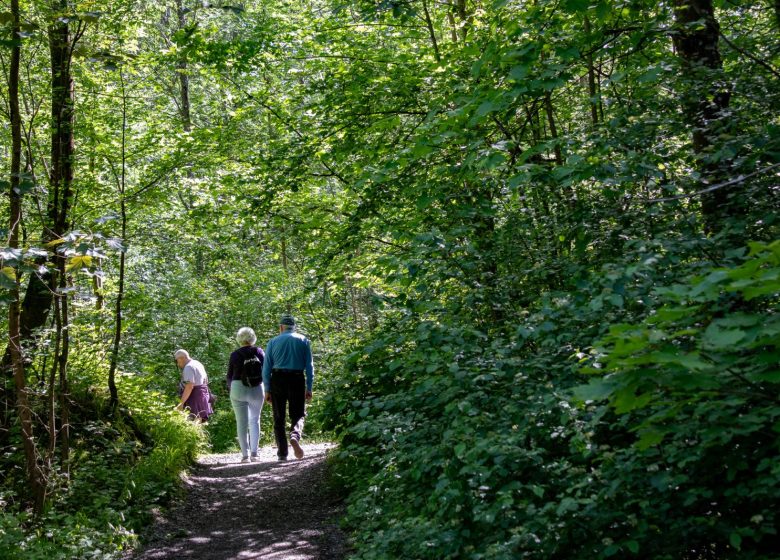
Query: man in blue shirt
[[288, 376]]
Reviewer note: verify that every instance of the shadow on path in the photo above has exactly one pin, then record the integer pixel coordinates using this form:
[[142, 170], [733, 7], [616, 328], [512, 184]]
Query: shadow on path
[[270, 510]]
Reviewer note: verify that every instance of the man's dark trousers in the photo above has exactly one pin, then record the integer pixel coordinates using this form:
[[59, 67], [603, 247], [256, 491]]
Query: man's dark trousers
[[288, 386]]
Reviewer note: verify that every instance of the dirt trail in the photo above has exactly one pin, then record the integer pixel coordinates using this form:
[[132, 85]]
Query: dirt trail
[[265, 510]]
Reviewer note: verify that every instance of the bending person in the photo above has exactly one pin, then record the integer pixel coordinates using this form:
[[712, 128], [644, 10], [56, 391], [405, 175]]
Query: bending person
[[244, 378], [288, 359], [194, 387]]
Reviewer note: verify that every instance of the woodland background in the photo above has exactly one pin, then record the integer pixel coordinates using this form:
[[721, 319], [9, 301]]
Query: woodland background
[[534, 243]]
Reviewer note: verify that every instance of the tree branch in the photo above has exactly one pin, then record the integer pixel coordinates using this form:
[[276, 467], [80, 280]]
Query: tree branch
[[736, 181]]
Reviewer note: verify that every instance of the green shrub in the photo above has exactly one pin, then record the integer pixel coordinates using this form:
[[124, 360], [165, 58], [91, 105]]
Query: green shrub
[[461, 444], [697, 383], [120, 469], [222, 431]]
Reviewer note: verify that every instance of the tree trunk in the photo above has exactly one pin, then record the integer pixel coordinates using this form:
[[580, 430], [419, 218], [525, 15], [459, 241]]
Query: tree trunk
[[34, 474], [548, 108], [63, 369], [114, 400], [184, 80], [62, 115], [704, 101], [431, 31], [453, 26], [33, 315], [592, 93], [61, 199], [465, 18], [97, 285]]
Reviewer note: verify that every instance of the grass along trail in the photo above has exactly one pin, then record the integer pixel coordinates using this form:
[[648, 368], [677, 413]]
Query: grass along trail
[[267, 509]]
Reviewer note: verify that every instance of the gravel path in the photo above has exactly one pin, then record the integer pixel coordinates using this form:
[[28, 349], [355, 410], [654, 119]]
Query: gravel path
[[265, 510]]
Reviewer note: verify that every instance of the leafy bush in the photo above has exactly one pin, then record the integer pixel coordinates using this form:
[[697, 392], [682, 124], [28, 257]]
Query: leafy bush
[[697, 381], [459, 444], [135, 460]]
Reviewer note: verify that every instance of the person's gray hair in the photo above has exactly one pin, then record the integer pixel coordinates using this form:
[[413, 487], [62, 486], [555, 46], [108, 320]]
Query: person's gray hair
[[246, 336], [181, 354]]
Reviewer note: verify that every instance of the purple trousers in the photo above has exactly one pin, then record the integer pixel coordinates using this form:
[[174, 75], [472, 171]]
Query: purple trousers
[[198, 403]]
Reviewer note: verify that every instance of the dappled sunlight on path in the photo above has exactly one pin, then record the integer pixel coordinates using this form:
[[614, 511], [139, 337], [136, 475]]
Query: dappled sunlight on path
[[268, 509]]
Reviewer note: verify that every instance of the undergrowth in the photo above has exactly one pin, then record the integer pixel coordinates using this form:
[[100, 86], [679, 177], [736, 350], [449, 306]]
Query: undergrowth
[[120, 469]]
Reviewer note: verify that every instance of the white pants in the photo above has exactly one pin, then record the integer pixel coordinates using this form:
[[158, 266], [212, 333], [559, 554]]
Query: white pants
[[247, 404]]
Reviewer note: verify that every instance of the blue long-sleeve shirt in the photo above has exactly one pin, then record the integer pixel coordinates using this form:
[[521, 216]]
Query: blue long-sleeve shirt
[[289, 350]]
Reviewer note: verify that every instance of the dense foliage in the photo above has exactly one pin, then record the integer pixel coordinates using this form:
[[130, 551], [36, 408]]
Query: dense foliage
[[122, 470], [533, 243]]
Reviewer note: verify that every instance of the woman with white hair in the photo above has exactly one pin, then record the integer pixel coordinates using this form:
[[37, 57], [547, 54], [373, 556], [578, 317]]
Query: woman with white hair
[[247, 394]]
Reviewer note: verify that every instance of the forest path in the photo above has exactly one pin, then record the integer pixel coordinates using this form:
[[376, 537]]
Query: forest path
[[266, 510]]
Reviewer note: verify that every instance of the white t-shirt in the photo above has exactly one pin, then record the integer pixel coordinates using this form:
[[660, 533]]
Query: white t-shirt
[[194, 372]]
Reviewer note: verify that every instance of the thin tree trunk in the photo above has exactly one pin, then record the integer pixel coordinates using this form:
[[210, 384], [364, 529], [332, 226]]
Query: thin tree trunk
[[592, 93], [182, 68], [63, 369], [53, 377], [51, 401], [465, 17], [114, 400], [33, 314], [35, 475], [431, 31], [453, 26], [97, 285], [184, 80], [548, 107], [286, 270]]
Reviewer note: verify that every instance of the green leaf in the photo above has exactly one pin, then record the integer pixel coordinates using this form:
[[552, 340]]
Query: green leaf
[[573, 6], [759, 291], [650, 75], [626, 400], [767, 376], [424, 202], [518, 72], [485, 108], [736, 540], [25, 186], [598, 389], [716, 337], [603, 10], [649, 438]]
